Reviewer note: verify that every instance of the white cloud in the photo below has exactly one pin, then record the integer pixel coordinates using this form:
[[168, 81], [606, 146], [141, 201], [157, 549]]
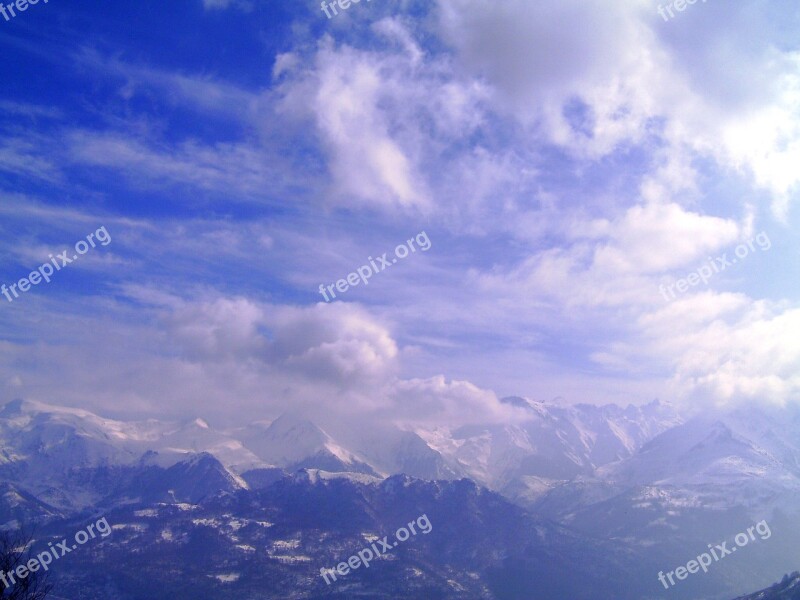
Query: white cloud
[[654, 238], [346, 91], [220, 329], [337, 342], [713, 79], [746, 353], [573, 155], [437, 401], [179, 356]]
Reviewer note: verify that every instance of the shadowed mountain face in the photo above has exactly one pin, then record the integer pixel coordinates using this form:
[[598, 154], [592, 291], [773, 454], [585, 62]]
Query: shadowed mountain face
[[272, 543]]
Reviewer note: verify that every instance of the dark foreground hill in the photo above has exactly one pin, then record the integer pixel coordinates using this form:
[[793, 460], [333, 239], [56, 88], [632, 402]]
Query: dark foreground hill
[[272, 543]]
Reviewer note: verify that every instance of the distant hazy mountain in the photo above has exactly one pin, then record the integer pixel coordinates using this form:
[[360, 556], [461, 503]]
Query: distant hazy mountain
[[44, 447], [554, 444], [697, 483], [71, 459], [294, 443]]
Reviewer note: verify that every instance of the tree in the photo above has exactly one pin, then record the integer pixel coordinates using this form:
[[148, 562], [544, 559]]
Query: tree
[[14, 552]]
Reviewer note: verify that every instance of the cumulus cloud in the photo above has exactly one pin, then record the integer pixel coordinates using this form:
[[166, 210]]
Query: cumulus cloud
[[539, 50], [339, 342], [660, 237], [437, 401], [326, 361], [596, 75], [724, 349], [223, 328]]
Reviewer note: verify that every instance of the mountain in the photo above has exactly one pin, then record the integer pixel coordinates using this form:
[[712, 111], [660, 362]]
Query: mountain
[[71, 459], [700, 482], [18, 506], [644, 479], [191, 480], [273, 543], [553, 444], [744, 459], [174, 442], [45, 448], [293, 442], [787, 589]]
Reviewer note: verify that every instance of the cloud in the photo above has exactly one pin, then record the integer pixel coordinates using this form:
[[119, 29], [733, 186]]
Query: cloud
[[219, 168], [199, 92], [655, 238], [23, 158], [338, 342], [536, 50], [725, 349], [566, 158], [326, 361], [614, 262], [437, 401], [221, 329], [593, 76], [346, 89]]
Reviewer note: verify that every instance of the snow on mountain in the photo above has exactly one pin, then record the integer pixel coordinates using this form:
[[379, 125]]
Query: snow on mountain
[[638, 474], [62, 437], [80, 438], [699, 481], [318, 475], [747, 458], [554, 444], [523, 460], [478, 545], [70, 458], [786, 589], [393, 450], [176, 443], [190, 480], [18, 506], [620, 447], [295, 443]]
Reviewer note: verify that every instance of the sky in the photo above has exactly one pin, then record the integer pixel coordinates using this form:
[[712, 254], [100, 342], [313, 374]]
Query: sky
[[604, 201]]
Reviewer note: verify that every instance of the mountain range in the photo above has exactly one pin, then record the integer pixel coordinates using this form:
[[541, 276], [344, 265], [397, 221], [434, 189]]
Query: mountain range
[[656, 486]]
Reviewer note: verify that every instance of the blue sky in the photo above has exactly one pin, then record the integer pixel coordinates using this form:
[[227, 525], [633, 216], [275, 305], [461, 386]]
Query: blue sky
[[564, 158]]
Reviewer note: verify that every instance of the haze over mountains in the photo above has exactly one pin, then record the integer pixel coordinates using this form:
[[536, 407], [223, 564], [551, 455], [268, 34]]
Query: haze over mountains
[[554, 445], [658, 486]]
